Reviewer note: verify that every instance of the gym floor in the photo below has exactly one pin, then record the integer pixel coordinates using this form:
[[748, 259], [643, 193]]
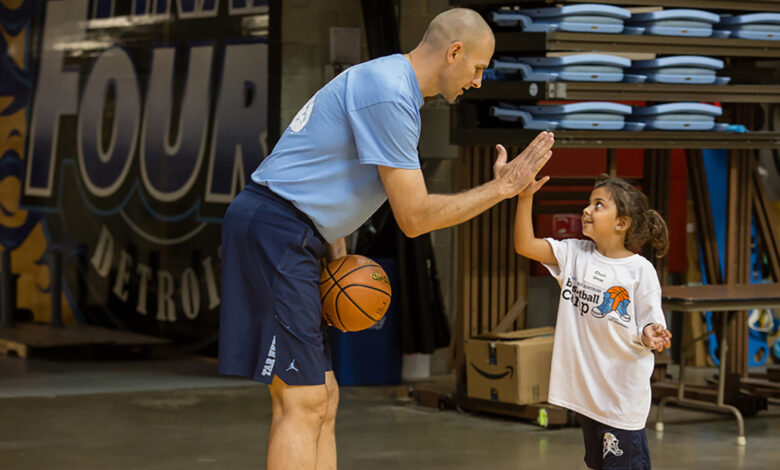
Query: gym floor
[[176, 413]]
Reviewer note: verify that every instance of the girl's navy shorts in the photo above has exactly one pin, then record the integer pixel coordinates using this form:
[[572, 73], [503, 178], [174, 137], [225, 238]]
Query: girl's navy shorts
[[611, 448]]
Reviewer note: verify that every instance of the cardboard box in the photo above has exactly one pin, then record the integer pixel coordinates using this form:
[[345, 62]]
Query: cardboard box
[[512, 367]]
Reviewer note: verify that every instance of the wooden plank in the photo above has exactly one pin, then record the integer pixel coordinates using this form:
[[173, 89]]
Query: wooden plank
[[766, 376], [13, 348], [732, 253], [463, 260], [754, 382], [663, 207], [611, 169], [513, 41], [769, 238], [695, 326], [737, 231], [656, 92], [511, 317], [766, 392], [746, 197], [746, 228], [463, 135], [27, 338], [504, 243], [749, 405], [511, 281], [657, 165], [484, 233], [705, 226], [472, 250], [495, 272], [743, 5]]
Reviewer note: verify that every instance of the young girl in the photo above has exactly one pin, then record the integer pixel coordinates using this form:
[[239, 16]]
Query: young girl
[[609, 318]]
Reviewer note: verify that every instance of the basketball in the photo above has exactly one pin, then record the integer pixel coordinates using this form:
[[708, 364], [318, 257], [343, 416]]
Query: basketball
[[355, 293], [619, 294]]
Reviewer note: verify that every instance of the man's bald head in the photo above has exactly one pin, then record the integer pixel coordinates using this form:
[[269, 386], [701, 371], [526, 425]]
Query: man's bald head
[[456, 49], [457, 25]]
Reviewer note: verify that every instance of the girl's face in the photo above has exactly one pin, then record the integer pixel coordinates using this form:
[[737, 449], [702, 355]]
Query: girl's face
[[599, 218]]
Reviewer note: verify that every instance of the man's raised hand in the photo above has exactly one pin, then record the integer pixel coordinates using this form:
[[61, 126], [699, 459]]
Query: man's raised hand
[[516, 175]]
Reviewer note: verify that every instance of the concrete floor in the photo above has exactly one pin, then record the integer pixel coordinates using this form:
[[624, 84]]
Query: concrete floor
[[178, 414]]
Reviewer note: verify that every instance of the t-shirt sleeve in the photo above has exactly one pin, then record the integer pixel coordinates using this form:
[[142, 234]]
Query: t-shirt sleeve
[[648, 302], [387, 134], [562, 249]]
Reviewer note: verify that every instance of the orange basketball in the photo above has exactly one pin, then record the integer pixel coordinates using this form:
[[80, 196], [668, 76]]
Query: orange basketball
[[619, 294], [355, 293]]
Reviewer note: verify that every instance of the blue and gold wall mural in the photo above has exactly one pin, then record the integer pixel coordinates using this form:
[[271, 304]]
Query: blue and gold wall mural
[[127, 129], [21, 231]]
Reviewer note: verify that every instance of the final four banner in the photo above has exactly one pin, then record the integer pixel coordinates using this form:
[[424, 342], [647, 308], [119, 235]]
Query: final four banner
[[146, 119]]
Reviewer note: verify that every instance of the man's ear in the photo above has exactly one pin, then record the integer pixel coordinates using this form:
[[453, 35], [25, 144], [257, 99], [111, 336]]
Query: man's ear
[[454, 51]]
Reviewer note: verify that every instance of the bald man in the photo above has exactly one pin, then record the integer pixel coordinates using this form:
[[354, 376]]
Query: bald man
[[352, 146]]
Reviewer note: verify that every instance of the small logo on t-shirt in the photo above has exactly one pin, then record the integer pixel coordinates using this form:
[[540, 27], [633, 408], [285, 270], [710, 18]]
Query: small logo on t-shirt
[[611, 445], [302, 118]]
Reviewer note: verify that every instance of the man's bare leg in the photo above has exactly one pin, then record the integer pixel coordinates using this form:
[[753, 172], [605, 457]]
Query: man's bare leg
[[326, 445], [298, 415]]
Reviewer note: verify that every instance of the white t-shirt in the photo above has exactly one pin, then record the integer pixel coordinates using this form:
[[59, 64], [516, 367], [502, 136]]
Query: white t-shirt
[[600, 368]]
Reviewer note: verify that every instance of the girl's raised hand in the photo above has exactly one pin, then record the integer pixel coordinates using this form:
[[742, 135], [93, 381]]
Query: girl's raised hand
[[533, 187]]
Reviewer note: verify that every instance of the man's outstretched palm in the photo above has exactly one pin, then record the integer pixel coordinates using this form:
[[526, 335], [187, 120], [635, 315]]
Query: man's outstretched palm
[[517, 175]]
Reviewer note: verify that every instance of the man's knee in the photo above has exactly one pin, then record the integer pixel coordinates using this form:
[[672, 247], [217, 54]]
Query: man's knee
[[303, 402]]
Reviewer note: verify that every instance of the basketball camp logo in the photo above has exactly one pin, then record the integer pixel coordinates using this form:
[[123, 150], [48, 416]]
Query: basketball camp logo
[[616, 299], [147, 118], [597, 302]]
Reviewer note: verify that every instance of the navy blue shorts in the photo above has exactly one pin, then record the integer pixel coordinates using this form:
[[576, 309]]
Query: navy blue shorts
[[271, 315], [611, 448]]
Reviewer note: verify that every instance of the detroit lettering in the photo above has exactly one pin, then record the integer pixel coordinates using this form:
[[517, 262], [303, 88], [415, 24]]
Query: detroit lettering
[[147, 118]]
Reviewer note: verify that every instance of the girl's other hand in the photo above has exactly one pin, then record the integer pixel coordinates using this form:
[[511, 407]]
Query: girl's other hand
[[656, 336]]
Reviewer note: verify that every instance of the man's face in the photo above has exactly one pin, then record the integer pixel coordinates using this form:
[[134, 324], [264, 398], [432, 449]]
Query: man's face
[[464, 67]]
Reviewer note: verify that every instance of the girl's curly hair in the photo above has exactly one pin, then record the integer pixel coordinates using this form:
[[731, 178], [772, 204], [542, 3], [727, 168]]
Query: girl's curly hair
[[647, 225]]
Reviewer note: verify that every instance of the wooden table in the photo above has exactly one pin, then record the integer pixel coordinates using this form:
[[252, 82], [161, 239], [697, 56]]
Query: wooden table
[[722, 298]]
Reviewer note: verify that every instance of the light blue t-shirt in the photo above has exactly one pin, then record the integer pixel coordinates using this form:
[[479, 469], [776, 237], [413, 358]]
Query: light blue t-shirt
[[325, 162]]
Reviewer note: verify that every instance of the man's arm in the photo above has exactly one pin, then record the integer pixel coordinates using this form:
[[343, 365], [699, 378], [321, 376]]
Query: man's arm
[[418, 212]]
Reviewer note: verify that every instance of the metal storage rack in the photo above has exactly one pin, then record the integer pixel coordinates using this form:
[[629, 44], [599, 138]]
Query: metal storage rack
[[492, 280]]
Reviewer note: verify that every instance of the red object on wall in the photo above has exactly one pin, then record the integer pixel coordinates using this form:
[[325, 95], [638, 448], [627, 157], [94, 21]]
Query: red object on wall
[[557, 226]]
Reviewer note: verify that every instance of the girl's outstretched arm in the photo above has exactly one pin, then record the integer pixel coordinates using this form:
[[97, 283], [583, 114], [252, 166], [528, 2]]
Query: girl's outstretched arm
[[526, 243]]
